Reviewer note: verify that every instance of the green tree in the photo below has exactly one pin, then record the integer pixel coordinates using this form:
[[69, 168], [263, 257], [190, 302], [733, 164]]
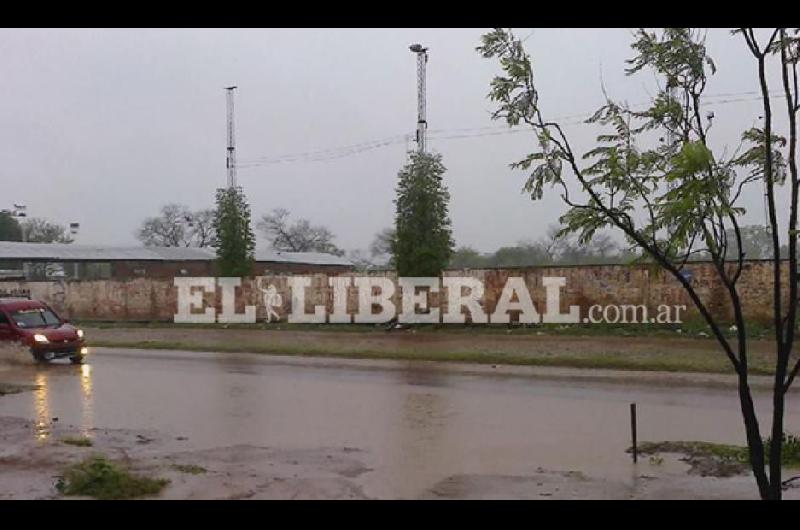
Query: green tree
[[423, 242], [653, 177], [235, 241], [9, 228], [524, 254], [468, 258], [756, 242]]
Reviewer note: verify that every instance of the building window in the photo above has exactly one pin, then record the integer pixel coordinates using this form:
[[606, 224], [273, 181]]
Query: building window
[[97, 271]]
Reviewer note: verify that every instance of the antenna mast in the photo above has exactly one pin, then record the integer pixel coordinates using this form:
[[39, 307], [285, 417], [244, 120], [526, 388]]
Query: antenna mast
[[231, 158], [422, 123]]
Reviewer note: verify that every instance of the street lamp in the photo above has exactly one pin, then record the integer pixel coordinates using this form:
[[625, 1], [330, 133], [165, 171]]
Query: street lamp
[[73, 230]]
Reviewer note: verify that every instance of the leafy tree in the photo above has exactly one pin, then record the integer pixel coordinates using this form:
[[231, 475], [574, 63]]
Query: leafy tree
[[566, 249], [673, 199], [526, 253], [756, 243], [555, 248], [423, 242], [177, 226], [468, 258], [299, 236], [235, 242], [9, 228]]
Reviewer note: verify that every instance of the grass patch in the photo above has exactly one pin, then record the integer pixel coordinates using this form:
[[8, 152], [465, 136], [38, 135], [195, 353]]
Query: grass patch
[[697, 449], [8, 389], [693, 329], [78, 441], [790, 455], [661, 362], [102, 479], [190, 468]]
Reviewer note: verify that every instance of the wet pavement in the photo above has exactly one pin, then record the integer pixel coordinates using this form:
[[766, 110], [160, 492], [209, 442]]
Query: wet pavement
[[412, 429]]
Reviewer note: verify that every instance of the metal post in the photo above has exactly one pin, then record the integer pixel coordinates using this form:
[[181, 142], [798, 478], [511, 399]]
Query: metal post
[[633, 432]]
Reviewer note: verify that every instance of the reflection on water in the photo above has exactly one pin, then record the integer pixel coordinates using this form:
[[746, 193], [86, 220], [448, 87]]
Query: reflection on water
[[419, 440], [87, 411], [42, 406], [43, 400]]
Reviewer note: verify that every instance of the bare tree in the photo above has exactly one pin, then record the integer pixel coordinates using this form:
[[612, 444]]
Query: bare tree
[[37, 230], [299, 236], [177, 226], [381, 247], [202, 228], [361, 261]]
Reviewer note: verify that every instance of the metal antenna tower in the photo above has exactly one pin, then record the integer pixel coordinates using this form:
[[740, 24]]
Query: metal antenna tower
[[231, 160], [422, 123]]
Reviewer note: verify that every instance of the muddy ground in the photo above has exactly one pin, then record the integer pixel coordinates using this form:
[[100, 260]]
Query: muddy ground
[[30, 470]]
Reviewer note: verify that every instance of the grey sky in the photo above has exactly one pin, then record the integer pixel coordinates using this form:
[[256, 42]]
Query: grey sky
[[103, 127]]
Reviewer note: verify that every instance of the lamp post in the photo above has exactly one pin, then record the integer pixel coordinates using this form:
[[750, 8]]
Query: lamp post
[[73, 230], [20, 211]]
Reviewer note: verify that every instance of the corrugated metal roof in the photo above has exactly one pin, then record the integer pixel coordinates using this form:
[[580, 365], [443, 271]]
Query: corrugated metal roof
[[311, 258], [72, 252], [10, 250]]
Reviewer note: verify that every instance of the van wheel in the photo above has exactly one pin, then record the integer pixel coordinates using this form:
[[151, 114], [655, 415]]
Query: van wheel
[[40, 358], [76, 359]]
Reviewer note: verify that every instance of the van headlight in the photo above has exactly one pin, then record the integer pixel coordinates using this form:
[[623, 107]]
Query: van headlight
[[40, 338], [80, 333]]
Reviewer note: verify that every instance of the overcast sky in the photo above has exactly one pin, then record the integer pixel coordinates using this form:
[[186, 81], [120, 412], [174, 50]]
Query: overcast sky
[[103, 127]]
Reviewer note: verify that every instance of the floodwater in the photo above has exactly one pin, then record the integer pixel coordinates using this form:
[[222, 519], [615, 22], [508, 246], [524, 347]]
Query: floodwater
[[417, 423]]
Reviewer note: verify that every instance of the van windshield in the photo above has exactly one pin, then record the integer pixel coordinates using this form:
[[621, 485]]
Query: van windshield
[[35, 318]]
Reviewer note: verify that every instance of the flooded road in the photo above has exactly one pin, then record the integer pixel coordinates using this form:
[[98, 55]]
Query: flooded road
[[420, 429]]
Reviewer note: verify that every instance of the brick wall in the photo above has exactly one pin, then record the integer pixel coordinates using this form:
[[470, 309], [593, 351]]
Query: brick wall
[[156, 298]]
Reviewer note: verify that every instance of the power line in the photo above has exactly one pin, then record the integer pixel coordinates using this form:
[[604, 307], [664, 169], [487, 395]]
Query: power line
[[325, 155], [442, 134]]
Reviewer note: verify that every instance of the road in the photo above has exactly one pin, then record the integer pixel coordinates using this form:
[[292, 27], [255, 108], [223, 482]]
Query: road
[[384, 429]]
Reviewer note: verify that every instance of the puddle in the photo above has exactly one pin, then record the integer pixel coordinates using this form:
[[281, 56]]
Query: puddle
[[414, 428]]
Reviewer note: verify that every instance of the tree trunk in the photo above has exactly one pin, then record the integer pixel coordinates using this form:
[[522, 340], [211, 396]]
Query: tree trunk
[[755, 445], [778, 407]]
